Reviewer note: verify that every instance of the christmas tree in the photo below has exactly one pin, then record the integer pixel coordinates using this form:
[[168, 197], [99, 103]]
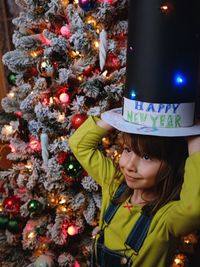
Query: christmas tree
[[68, 63]]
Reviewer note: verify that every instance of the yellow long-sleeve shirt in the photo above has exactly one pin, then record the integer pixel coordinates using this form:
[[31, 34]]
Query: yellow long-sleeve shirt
[[171, 221]]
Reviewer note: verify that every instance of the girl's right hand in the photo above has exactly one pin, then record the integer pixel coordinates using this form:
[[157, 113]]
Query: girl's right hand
[[105, 125]]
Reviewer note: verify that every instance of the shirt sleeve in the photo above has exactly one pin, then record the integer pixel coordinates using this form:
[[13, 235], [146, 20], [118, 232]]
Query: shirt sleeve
[[184, 215], [83, 144]]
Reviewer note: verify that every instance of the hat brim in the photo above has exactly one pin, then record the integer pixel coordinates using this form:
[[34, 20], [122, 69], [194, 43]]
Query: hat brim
[[114, 118]]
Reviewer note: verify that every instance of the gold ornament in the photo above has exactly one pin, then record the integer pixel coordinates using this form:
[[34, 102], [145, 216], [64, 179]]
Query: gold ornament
[[53, 199], [45, 67]]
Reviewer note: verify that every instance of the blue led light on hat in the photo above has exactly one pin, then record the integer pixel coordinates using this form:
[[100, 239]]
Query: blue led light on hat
[[179, 79], [133, 94]]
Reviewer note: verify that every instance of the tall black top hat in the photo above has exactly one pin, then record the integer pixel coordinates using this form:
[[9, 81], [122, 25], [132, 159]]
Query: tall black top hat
[[162, 69]]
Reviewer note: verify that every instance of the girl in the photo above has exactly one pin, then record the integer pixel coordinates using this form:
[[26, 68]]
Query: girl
[[144, 209]]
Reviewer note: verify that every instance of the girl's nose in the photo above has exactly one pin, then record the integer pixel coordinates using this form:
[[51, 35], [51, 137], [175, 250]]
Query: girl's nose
[[132, 163]]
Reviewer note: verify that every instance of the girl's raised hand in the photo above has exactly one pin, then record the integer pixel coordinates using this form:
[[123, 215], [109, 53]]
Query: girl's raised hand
[[193, 144], [105, 125]]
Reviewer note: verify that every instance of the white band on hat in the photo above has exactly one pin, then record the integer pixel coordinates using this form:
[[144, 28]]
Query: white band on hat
[[159, 115]]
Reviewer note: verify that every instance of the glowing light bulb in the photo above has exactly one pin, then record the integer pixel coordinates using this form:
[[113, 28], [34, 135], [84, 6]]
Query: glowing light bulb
[[31, 235], [179, 79], [72, 230], [96, 44], [133, 94], [8, 129], [167, 8], [164, 8], [11, 95]]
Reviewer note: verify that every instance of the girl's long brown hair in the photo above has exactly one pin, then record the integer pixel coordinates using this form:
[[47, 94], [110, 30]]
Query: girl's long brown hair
[[172, 151]]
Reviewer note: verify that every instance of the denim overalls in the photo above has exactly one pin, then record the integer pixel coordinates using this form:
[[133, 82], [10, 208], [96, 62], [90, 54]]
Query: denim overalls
[[108, 258]]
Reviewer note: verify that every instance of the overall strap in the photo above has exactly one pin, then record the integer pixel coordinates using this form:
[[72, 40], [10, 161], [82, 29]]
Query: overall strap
[[139, 232], [113, 207]]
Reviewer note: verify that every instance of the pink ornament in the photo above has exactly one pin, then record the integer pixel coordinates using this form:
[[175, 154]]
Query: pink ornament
[[65, 31], [105, 1], [34, 144], [76, 264], [18, 113], [64, 98], [72, 230]]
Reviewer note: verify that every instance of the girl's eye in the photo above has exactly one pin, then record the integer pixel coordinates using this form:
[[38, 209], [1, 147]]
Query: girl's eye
[[126, 149], [146, 157]]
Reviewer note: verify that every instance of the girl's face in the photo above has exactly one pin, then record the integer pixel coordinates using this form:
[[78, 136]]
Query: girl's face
[[140, 172]]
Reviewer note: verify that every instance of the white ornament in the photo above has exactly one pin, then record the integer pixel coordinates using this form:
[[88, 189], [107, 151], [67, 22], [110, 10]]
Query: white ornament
[[102, 49], [44, 145], [44, 261]]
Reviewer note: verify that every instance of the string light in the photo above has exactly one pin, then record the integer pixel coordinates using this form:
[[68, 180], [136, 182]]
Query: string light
[[72, 230], [36, 53], [96, 44], [11, 95], [61, 117], [105, 73], [164, 8], [51, 100], [179, 261], [80, 77], [167, 8], [62, 200], [8, 129], [61, 209], [1, 206], [190, 239], [29, 167], [31, 235]]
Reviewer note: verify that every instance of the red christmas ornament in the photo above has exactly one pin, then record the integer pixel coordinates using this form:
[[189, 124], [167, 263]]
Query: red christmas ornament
[[12, 204], [77, 120], [62, 157], [76, 264], [112, 61], [18, 113]]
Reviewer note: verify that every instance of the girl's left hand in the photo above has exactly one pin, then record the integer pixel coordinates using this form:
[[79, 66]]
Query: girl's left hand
[[193, 144]]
